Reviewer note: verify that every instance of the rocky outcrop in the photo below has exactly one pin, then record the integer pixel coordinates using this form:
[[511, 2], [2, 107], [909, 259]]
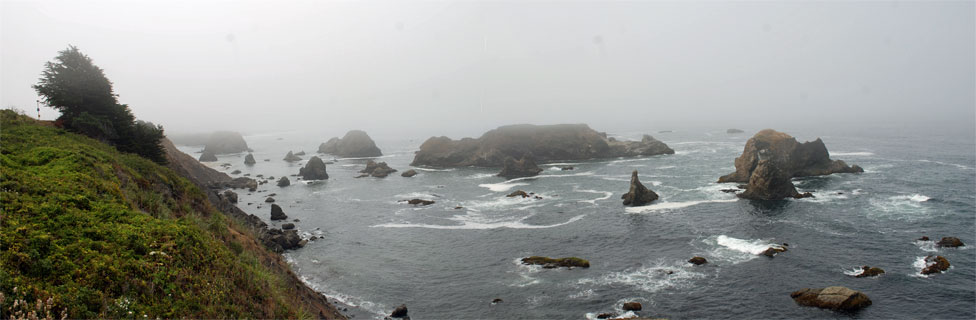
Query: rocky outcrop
[[230, 196], [935, 264], [773, 250], [291, 157], [770, 181], [277, 213], [355, 144], [545, 143], [794, 158], [400, 312], [377, 169], [409, 173], [551, 263], [284, 182], [638, 195], [518, 193], [287, 239], [249, 159], [632, 306], [224, 142], [208, 156], [833, 298], [698, 261], [524, 167], [950, 242], [867, 271], [314, 170]]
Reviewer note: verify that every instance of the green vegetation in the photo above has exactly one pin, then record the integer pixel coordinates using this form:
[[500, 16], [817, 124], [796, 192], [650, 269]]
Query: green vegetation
[[550, 263], [77, 88], [98, 233]]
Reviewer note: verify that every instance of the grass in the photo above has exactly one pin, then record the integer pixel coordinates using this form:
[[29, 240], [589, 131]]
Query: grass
[[101, 234]]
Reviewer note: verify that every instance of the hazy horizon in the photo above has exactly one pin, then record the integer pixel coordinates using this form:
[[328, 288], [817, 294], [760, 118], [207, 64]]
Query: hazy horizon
[[463, 68]]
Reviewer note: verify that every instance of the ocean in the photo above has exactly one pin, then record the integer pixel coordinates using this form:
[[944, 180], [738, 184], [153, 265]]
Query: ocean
[[445, 262]]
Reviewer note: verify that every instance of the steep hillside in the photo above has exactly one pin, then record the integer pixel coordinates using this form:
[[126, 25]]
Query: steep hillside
[[96, 233]]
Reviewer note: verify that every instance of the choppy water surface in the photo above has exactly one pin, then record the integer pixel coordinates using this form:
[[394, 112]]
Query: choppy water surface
[[444, 262]]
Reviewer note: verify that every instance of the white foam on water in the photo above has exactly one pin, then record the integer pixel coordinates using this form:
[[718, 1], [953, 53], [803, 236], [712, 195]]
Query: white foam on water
[[947, 164], [415, 195], [857, 191], [854, 272], [735, 250], [606, 195], [648, 278], [669, 206], [583, 294], [434, 170], [918, 265], [926, 245], [502, 186], [656, 183], [903, 207], [754, 247], [562, 164], [508, 185], [852, 154], [473, 223], [667, 167], [825, 196], [625, 315], [367, 158], [480, 176]]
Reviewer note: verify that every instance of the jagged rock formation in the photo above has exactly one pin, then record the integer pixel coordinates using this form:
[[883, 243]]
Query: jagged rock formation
[[524, 167], [867, 271], [544, 142], [208, 156], [771, 159], [291, 157], [277, 213], [314, 170], [356, 144], [249, 159], [935, 264], [638, 195], [834, 298], [223, 142], [378, 170]]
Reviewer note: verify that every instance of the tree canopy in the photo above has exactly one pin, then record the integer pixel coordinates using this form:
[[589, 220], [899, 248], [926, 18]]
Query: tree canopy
[[79, 89]]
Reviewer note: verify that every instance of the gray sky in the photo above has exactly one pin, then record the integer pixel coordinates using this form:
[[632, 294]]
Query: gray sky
[[444, 67]]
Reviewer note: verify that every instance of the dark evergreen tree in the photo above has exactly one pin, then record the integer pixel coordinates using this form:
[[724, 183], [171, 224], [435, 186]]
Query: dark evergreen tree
[[76, 87]]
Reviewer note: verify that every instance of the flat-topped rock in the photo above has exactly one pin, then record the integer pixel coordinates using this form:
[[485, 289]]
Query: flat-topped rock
[[833, 298]]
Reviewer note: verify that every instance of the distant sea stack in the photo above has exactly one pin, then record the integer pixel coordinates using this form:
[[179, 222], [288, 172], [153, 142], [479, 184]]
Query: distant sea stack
[[224, 142], [355, 144], [771, 159], [544, 143]]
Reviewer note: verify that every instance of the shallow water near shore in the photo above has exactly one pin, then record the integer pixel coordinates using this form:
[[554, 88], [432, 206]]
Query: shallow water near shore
[[442, 262]]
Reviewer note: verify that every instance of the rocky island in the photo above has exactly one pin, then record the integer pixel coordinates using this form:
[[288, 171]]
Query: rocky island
[[544, 143], [355, 144], [225, 142]]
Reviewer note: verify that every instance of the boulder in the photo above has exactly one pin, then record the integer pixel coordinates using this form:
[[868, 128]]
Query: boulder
[[546, 143], [833, 298], [277, 213], [935, 264], [638, 194], [291, 157], [287, 239], [923, 238], [518, 193], [269, 200], [950, 242], [524, 167], [419, 201], [236, 172], [314, 170], [355, 144], [230, 196], [632, 306], [550, 263], [565, 168], [399, 312], [867, 271], [224, 142], [288, 226], [249, 159], [239, 183], [794, 158], [409, 173], [773, 250], [734, 131], [698, 261], [208, 156], [284, 182], [378, 170]]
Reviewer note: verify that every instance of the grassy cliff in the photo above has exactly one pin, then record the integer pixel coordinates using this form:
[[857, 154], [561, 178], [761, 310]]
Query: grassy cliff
[[97, 233]]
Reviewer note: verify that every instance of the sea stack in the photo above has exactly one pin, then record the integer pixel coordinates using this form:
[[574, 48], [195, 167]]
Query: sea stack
[[638, 195], [208, 156], [291, 157], [378, 170], [249, 159], [224, 142], [771, 159], [524, 167], [355, 144], [314, 170]]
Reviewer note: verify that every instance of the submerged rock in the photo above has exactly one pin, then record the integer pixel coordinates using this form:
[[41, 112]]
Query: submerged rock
[[833, 298], [208, 156], [550, 263], [291, 157], [409, 173], [950, 242], [277, 213], [524, 167], [867, 271], [224, 142], [314, 170], [288, 226], [356, 143], [698, 261], [377, 169], [632, 306], [544, 142], [935, 264], [249, 159], [269, 199], [419, 201], [284, 182], [773, 250], [518, 193], [638, 195]]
